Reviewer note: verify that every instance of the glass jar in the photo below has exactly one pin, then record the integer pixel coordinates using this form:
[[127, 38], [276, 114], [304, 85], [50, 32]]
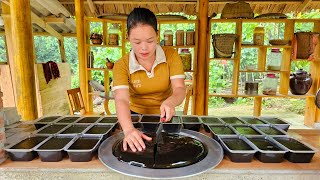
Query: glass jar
[[186, 59], [258, 36], [179, 38], [270, 83], [168, 38], [190, 39], [113, 35], [274, 59]]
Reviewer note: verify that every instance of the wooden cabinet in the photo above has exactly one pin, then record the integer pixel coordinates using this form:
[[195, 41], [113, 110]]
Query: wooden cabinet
[[234, 84], [124, 46]]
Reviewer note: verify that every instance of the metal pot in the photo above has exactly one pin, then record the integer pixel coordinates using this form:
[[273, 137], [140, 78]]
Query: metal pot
[[300, 82]]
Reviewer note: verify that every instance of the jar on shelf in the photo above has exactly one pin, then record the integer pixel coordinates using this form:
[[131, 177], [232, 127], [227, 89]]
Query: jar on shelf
[[186, 59], [168, 38], [270, 83], [274, 59], [179, 38], [90, 60], [113, 35], [190, 37], [258, 36]]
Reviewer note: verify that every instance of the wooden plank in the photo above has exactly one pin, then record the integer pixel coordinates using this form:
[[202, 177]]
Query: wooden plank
[[237, 57], [92, 7], [38, 7], [23, 59], [203, 65], [54, 20], [195, 72], [257, 106], [303, 5], [62, 50], [43, 25], [310, 112], [79, 9], [55, 7], [10, 50]]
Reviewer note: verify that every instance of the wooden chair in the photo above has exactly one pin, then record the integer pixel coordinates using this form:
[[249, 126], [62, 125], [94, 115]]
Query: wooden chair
[[76, 103]]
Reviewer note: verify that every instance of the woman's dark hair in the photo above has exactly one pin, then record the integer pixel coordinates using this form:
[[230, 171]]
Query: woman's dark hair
[[141, 16]]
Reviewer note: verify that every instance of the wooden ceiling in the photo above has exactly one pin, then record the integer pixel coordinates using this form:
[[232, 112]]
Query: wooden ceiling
[[59, 13]]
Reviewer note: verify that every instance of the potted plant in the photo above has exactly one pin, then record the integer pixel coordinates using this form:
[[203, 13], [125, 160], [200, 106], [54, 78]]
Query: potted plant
[[96, 37], [109, 63]]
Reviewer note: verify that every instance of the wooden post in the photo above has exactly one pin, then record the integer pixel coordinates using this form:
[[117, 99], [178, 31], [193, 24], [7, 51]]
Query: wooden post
[[8, 34], [79, 5], [62, 50], [201, 92], [23, 59], [257, 106]]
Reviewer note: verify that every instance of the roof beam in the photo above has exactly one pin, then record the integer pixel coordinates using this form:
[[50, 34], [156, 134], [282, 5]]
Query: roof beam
[[92, 7], [55, 20], [40, 22], [303, 5], [55, 7]]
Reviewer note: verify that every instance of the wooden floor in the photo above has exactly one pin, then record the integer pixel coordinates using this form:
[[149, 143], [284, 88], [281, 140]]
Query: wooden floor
[[310, 136]]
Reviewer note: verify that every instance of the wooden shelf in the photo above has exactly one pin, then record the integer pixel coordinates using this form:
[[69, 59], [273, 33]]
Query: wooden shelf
[[185, 46], [257, 71], [99, 69], [262, 95], [102, 45], [264, 46], [189, 71], [217, 59]]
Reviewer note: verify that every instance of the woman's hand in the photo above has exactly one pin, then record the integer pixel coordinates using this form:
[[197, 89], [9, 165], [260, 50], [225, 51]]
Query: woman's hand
[[134, 138], [167, 110]]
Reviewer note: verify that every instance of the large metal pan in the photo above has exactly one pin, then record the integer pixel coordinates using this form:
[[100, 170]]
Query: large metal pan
[[213, 158]]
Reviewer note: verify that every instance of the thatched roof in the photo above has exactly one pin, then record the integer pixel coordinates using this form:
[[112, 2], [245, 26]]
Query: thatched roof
[[58, 13]]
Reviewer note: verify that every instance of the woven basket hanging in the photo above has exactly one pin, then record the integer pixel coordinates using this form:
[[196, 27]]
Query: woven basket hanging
[[239, 9], [304, 44], [223, 45]]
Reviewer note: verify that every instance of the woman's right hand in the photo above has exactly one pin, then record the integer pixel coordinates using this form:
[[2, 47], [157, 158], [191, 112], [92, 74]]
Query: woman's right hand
[[134, 138]]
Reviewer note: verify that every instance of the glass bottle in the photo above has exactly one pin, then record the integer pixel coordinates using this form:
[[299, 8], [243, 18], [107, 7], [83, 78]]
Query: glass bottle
[[168, 38], [274, 59], [113, 35], [270, 83], [186, 59]]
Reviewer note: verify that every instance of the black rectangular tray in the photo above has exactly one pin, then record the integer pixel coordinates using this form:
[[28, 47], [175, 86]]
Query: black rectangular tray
[[52, 129], [247, 130], [191, 122], [232, 120], [277, 122], [253, 120], [220, 130], [241, 150], [298, 151], [209, 120], [52, 149], [99, 130], [68, 120], [24, 150], [74, 129], [271, 130], [88, 120], [108, 120], [268, 150], [83, 148], [47, 119]]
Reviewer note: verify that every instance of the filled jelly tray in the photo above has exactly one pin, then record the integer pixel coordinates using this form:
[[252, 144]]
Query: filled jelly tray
[[242, 138]]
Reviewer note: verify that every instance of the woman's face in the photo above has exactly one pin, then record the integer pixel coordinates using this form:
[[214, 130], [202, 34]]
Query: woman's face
[[143, 39]]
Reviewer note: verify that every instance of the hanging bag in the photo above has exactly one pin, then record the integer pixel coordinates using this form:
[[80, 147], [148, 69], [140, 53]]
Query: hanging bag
[[223, 45], [303, 45]]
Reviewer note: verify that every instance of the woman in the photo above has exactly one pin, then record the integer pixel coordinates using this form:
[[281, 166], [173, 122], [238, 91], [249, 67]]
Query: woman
[[151, 78]]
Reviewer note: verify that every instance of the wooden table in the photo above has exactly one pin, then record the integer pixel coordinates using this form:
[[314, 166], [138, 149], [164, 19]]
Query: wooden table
[[225, 170]]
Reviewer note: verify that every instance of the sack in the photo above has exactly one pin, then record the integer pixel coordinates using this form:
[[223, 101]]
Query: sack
[[237, 10], [303, 45], [223, 45]]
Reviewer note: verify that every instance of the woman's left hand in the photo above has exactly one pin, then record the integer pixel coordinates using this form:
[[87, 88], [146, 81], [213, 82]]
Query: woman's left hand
[[167, 110]]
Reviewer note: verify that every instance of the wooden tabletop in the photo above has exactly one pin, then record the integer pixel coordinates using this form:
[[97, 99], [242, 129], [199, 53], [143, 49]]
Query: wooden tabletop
[[310, 136]]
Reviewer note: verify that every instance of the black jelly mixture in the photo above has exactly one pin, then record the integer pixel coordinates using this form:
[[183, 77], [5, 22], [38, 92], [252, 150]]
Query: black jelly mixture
[[175, 151]]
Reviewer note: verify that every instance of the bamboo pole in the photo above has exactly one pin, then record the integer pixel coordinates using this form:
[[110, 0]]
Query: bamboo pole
[[62, 50], [202, 84], [79, 10], [23, 59], [8, 35]]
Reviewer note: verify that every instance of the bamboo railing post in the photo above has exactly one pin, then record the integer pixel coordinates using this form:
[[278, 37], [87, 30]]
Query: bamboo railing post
[[79, 11], [23, 59], [201, 92]]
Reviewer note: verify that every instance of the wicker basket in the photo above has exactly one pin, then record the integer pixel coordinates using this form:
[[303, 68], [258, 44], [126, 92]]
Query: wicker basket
[[237, 10], [304, 45], [223, 45]]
